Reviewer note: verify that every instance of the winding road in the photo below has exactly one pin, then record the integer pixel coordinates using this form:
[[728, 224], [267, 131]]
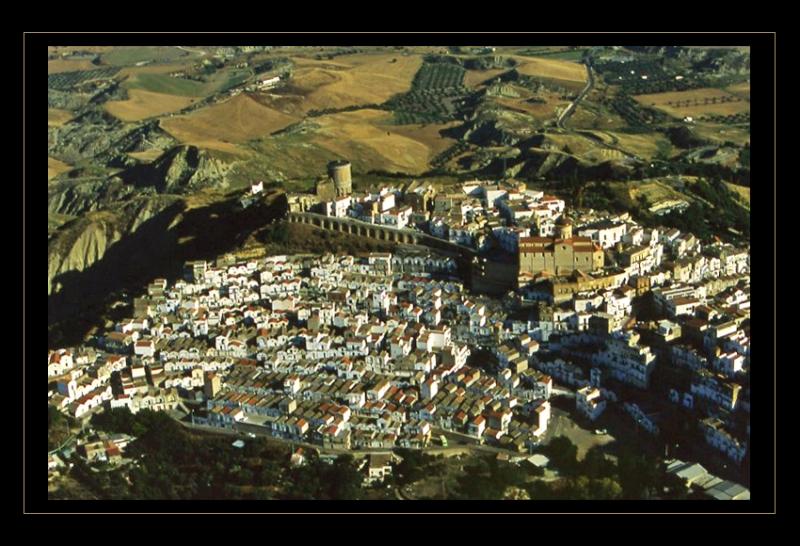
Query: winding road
[[574, 104]]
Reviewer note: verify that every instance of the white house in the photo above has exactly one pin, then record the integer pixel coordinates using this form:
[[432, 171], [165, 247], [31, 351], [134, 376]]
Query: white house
[[590, 402]]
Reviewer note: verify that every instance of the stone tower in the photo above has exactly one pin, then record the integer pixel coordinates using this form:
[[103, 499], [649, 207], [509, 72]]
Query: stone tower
[[339, 171]]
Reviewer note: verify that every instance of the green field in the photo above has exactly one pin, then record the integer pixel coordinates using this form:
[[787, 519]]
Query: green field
[[126, 56], [162, 83], [567, 55], [232, 79], [435, 92]]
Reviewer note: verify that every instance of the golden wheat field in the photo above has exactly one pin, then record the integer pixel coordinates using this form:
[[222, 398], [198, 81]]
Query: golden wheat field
[[226, 124], [552, 69], [143, 104], [695, 102], [354, 79], [474, 78], [369, 133], [69, 65]]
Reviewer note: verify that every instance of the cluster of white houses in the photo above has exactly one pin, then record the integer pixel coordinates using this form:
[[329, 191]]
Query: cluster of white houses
[[373, 351], [338, 351], [477, 214]]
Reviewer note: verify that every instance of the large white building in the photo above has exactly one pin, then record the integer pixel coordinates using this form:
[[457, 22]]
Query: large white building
[[607, 234]]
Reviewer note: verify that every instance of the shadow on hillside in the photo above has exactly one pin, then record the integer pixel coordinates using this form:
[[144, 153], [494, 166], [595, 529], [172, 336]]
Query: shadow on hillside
[[157, 249]]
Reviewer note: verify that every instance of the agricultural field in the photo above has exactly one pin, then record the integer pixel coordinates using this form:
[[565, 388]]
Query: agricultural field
[[143, 104], [55, 167], [57, 118], [68, 80], [57, 66], [740, 90], [721, 133], [427, 134], [163, 83], [695, 103], [475, 78], [439, 76], [226, 124], [60, 50], [557, 52], [350, 80], [434, 97], [133, 71], [381, 145], [128, 55], [367, 137], [566, 73], [568, 55]]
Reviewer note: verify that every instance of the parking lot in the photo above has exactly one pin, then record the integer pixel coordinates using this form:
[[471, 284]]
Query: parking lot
[[562, 424]]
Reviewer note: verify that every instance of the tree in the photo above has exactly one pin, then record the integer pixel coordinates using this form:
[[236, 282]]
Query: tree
[[638, 475], [411, 468], [563, 455], [596, 465], [115, 420], [344, 479], [604, 489]]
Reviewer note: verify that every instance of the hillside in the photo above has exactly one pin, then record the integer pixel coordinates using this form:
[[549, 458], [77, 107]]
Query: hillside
[[148, 146]]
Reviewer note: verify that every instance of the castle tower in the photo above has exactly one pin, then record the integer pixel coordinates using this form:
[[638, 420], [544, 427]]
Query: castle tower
[[339, 171]]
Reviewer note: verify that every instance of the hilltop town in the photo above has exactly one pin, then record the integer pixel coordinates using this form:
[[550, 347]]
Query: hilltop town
[[398, 272], [401, 350]]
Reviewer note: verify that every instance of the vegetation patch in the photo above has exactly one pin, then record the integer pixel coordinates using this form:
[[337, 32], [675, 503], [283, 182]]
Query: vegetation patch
[[437, 95], [66, 81]]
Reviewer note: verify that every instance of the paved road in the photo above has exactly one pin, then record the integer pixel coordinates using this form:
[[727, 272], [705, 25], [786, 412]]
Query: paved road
[[571, 108], [62, 446], [464, 443]]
